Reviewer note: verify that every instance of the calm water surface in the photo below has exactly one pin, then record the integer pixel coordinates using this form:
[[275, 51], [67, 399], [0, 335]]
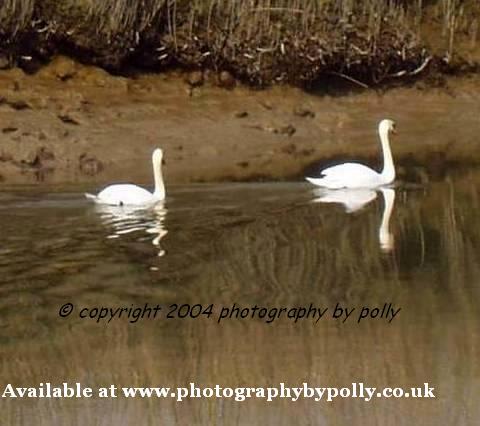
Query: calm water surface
[[270, 245]]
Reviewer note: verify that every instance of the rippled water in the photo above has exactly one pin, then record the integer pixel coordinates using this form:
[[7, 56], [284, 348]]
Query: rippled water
[[250, 244]]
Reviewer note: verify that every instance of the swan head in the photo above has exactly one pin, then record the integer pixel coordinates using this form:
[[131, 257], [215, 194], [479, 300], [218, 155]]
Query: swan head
[[387, 127], [157, 157]]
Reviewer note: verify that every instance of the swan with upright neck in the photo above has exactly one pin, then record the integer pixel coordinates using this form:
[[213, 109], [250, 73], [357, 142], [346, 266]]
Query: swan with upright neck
[[134, 195], [355, 175]]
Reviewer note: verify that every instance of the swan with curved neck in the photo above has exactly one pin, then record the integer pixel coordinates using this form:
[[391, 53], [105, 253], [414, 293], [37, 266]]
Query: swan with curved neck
[[355, 175], [133, 195]]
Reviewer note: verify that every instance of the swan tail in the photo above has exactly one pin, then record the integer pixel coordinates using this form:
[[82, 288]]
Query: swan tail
[[315, 181], [91, 197]]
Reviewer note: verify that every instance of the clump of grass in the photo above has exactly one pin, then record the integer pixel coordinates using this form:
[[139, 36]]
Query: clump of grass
[[459, 16], [15, 16], [261, 41], [296, 41], [108, 28]]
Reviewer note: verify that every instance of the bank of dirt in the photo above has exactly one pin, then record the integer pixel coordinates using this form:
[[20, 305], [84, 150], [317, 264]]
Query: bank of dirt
[[71, 123]]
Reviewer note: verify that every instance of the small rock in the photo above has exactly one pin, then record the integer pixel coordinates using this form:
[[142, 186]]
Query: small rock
[[19, 105], [266, 104], [421, 85], [9, 129], [92, 76], [307, 152], [195, 78], [29, 64], [39, 102], [68, 119], [38, 159], [89, 165], [65, 69], [287, 130], [290, 149], [193, 91], [4, 62], [226, 80], [241, 114], [265, 128], [300, 111], [61, 68], [44, 154]]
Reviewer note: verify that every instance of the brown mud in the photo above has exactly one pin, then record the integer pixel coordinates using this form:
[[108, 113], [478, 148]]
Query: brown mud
[[72, 123]]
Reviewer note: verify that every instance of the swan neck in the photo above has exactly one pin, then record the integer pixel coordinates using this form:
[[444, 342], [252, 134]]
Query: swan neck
[[388, 173], [159, 191]]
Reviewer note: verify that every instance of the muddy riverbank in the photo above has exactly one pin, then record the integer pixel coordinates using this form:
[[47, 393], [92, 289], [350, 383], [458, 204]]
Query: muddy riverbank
[[71, 123]]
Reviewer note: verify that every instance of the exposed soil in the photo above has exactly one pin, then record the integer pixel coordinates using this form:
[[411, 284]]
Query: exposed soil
[[71, 123]]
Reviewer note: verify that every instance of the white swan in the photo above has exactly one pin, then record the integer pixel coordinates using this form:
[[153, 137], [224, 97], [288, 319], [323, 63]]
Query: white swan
[[354, 175], [133, 195]]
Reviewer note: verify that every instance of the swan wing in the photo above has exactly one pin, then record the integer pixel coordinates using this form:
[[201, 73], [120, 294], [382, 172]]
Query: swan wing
[[347, 175], [90, 196], [125, 194]]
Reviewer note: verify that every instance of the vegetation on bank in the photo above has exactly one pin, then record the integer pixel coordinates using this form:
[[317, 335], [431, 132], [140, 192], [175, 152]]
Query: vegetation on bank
[[259, 41]]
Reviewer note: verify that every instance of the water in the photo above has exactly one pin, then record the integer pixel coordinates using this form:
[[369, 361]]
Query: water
[[270, 245]]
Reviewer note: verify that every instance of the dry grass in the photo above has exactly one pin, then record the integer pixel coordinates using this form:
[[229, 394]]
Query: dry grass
[[259, 40], [15, 16]]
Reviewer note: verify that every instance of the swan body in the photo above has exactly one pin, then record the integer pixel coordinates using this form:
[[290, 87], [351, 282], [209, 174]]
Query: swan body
[[133, 195], [355, 175]]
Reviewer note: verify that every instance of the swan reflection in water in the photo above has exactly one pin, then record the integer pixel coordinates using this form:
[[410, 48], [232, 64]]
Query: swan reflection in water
[[355, 199], [124, 220]]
